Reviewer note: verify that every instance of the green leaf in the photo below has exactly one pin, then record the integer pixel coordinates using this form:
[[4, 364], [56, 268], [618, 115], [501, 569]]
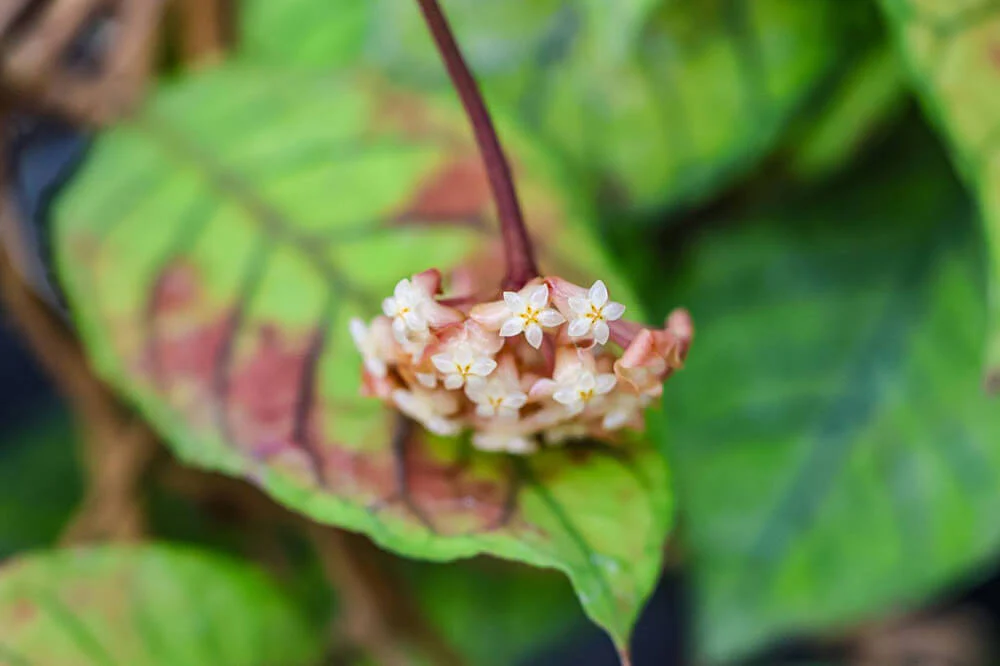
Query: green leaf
[[869, 97], [40, 482], [663, 102], [148, 605], [525, 609], [953, 51], [834, 455], [214, 251]]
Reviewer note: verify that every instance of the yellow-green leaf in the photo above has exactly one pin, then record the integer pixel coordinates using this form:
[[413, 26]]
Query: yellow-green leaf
[[148, 605], [952, 48], [214, 250]]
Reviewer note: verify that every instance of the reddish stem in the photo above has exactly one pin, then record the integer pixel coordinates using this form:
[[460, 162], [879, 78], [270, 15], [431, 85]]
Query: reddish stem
[[518, 250]]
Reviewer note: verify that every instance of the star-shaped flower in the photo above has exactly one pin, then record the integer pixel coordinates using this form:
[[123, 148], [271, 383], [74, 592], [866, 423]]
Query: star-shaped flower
[[375, 344], [591, 313], [576, 382], [407, 307], [499, 441], [497, 397], [528, 312], [579, 391], [429, 408], [460, 363]]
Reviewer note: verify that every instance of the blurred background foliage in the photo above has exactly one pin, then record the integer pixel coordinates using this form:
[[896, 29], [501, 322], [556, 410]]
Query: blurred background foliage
[[765, 163]]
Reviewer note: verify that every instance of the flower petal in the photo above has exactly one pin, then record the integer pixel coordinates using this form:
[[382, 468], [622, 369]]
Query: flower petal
[[399, 330], [615, 420], [444, 363], [490, 316], [512, 327], [441, 426], [514, 301], [489, 442], [578, 327], [402, 289], [579, 304], [359, 332], [533, 335], [389, 307], [566, 396], [482, 366], [462, 355], [598, 294], [414, 321], [550, 318], [428, 379], [605, 383], [485, 410], [519, 445], [613, 311], [543, 388], [601, 332], [515, 400], [539, 296], [376, 366], [507, 413], [475, 389], [452, 382]]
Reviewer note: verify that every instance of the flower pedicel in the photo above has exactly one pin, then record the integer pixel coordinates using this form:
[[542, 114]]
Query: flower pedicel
[[534, 368]]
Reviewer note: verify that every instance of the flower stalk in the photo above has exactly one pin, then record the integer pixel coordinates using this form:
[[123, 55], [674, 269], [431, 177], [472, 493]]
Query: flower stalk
[[518, 251]]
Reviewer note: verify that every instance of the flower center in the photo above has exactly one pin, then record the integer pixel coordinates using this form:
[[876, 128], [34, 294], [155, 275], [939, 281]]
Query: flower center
[[464, 370], [595, 314], [496, 402], [586, 396], [530, 315]]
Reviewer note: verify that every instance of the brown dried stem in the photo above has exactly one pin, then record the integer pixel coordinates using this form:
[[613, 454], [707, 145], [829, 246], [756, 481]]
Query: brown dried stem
[[380, 616], [35, 39], [205, 30], [518, 250], [117, 448]]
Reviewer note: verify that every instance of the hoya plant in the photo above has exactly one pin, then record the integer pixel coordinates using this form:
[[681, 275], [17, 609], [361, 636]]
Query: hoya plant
[[423, 332]]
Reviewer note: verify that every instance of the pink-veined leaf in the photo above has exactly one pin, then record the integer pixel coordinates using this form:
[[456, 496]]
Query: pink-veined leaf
[[214, 250]]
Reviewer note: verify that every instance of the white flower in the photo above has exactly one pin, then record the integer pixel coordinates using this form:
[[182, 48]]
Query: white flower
[[623, 408], [593, 312], [461, 363], [563, 433], [497, 396], [578, 389], [498, 441], [371, 342], [408, 308], [427, 379], [429, 408], [528, 312]]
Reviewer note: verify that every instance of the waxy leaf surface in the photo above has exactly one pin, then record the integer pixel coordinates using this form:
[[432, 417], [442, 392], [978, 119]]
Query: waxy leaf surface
[[952, 48], [835, 456], [661, 102], [214, 251], [147, 606]]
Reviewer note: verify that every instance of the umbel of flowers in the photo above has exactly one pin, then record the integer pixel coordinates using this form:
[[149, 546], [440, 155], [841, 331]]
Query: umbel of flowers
[[551, 362]]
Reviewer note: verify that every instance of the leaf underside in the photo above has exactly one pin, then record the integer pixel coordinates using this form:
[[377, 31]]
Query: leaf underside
[[835, 456], [146, 606], [214, 251]]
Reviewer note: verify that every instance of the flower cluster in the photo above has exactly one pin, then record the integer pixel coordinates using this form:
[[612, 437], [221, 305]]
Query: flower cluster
[[533, 368]]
